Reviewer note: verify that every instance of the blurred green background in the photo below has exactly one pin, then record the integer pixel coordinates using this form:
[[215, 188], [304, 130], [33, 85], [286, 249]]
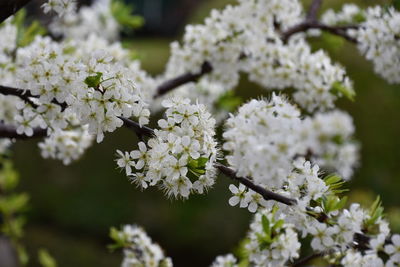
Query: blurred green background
[[72, 207]]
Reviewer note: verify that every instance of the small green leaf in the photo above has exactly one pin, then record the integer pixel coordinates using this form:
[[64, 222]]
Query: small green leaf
[[94, 81], [228, 101], [123, 15], [45, 259], [278, 225], [265, 225], [375, 212], [29, 34], [339, 89]]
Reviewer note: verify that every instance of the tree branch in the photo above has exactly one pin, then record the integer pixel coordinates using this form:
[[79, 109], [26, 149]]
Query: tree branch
[[307, 25], [266, 194], [23, 94], [9, 131], [170, 85], [307, 259], [311, 22], [10, 7], [140, 131]]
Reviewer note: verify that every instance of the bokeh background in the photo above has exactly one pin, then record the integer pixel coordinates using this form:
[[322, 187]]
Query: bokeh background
[[72, 207]]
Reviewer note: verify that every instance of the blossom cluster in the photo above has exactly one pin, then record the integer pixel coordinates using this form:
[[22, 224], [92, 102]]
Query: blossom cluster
[[180, 156], [96, 20], [66, 145], [320, 215], [139, 250], [93, 88], [265, 136], [61, 7], [378, 39], [76, 87], [247, 38], [376, 30]]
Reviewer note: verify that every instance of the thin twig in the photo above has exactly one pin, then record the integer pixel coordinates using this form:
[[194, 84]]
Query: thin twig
[[171, 84]]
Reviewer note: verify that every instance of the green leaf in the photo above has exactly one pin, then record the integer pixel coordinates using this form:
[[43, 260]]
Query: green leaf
[[123, 15], [339, 89], [94, 81], [197, 166], [29, 34], [118, 238], [228, 101], [340, 205], [359, 17], [375, 212], [45, 259], [278, 225], [265, 225], [8, 177], [335, 183]]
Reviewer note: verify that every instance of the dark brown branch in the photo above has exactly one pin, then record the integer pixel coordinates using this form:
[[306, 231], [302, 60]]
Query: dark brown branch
[[266, 194], [10, 7], [170, 85], [9, 131], [307, 259], [311, 22], [25, 95], [140, 131], [307, 25]]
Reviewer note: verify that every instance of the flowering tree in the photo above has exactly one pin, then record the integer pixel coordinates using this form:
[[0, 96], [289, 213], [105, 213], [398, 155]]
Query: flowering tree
[[76, 84]]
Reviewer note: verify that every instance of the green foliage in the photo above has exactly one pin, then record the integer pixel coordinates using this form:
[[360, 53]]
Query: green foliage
[[332, 203], [118, 238], [94, 80], [45, 259], [26, 34], [335, 183], [242, 253], [123, 15], [339, 89], [228, 101], [197, 166], [375, 212], [271, 229]]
